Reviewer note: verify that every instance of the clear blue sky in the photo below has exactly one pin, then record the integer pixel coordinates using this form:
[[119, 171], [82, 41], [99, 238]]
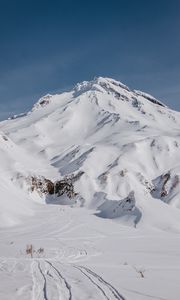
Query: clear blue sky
[[48, 46]]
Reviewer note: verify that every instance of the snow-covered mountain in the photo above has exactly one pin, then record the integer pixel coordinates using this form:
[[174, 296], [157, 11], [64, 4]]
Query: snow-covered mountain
[[124, 143], [74, 172]]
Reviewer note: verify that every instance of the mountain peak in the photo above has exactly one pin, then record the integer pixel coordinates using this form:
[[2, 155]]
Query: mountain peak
[[101, 84], [116, 88], [107, 80]]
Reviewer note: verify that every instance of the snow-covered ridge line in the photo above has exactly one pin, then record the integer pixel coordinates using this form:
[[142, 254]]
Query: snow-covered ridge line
[[149, 97], [99, 84], [104, 85]]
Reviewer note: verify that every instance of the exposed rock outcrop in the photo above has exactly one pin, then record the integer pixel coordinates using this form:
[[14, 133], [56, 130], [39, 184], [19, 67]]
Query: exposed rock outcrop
[[45, 186], [166, 186], [41, 185], [59, 187]]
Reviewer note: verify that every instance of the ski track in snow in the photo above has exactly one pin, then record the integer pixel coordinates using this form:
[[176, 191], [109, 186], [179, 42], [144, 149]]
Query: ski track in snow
[[65, 283], [106, 288], [49, 283]]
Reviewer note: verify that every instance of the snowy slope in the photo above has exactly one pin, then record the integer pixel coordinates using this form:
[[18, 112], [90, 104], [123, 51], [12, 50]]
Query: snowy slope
[[15, 166], [122, 141], [13, 201]]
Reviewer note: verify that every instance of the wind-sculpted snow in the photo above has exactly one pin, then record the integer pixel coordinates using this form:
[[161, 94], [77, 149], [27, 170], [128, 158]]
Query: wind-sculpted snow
[[123, 142]]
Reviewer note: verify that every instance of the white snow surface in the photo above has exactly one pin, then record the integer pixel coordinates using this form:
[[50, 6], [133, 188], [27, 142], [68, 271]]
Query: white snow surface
[[123, 242]]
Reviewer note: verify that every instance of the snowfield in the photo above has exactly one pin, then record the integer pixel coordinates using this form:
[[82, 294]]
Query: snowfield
[[90, 197]]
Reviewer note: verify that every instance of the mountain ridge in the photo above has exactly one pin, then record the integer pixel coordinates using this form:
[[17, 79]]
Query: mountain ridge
[[104, 83]]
